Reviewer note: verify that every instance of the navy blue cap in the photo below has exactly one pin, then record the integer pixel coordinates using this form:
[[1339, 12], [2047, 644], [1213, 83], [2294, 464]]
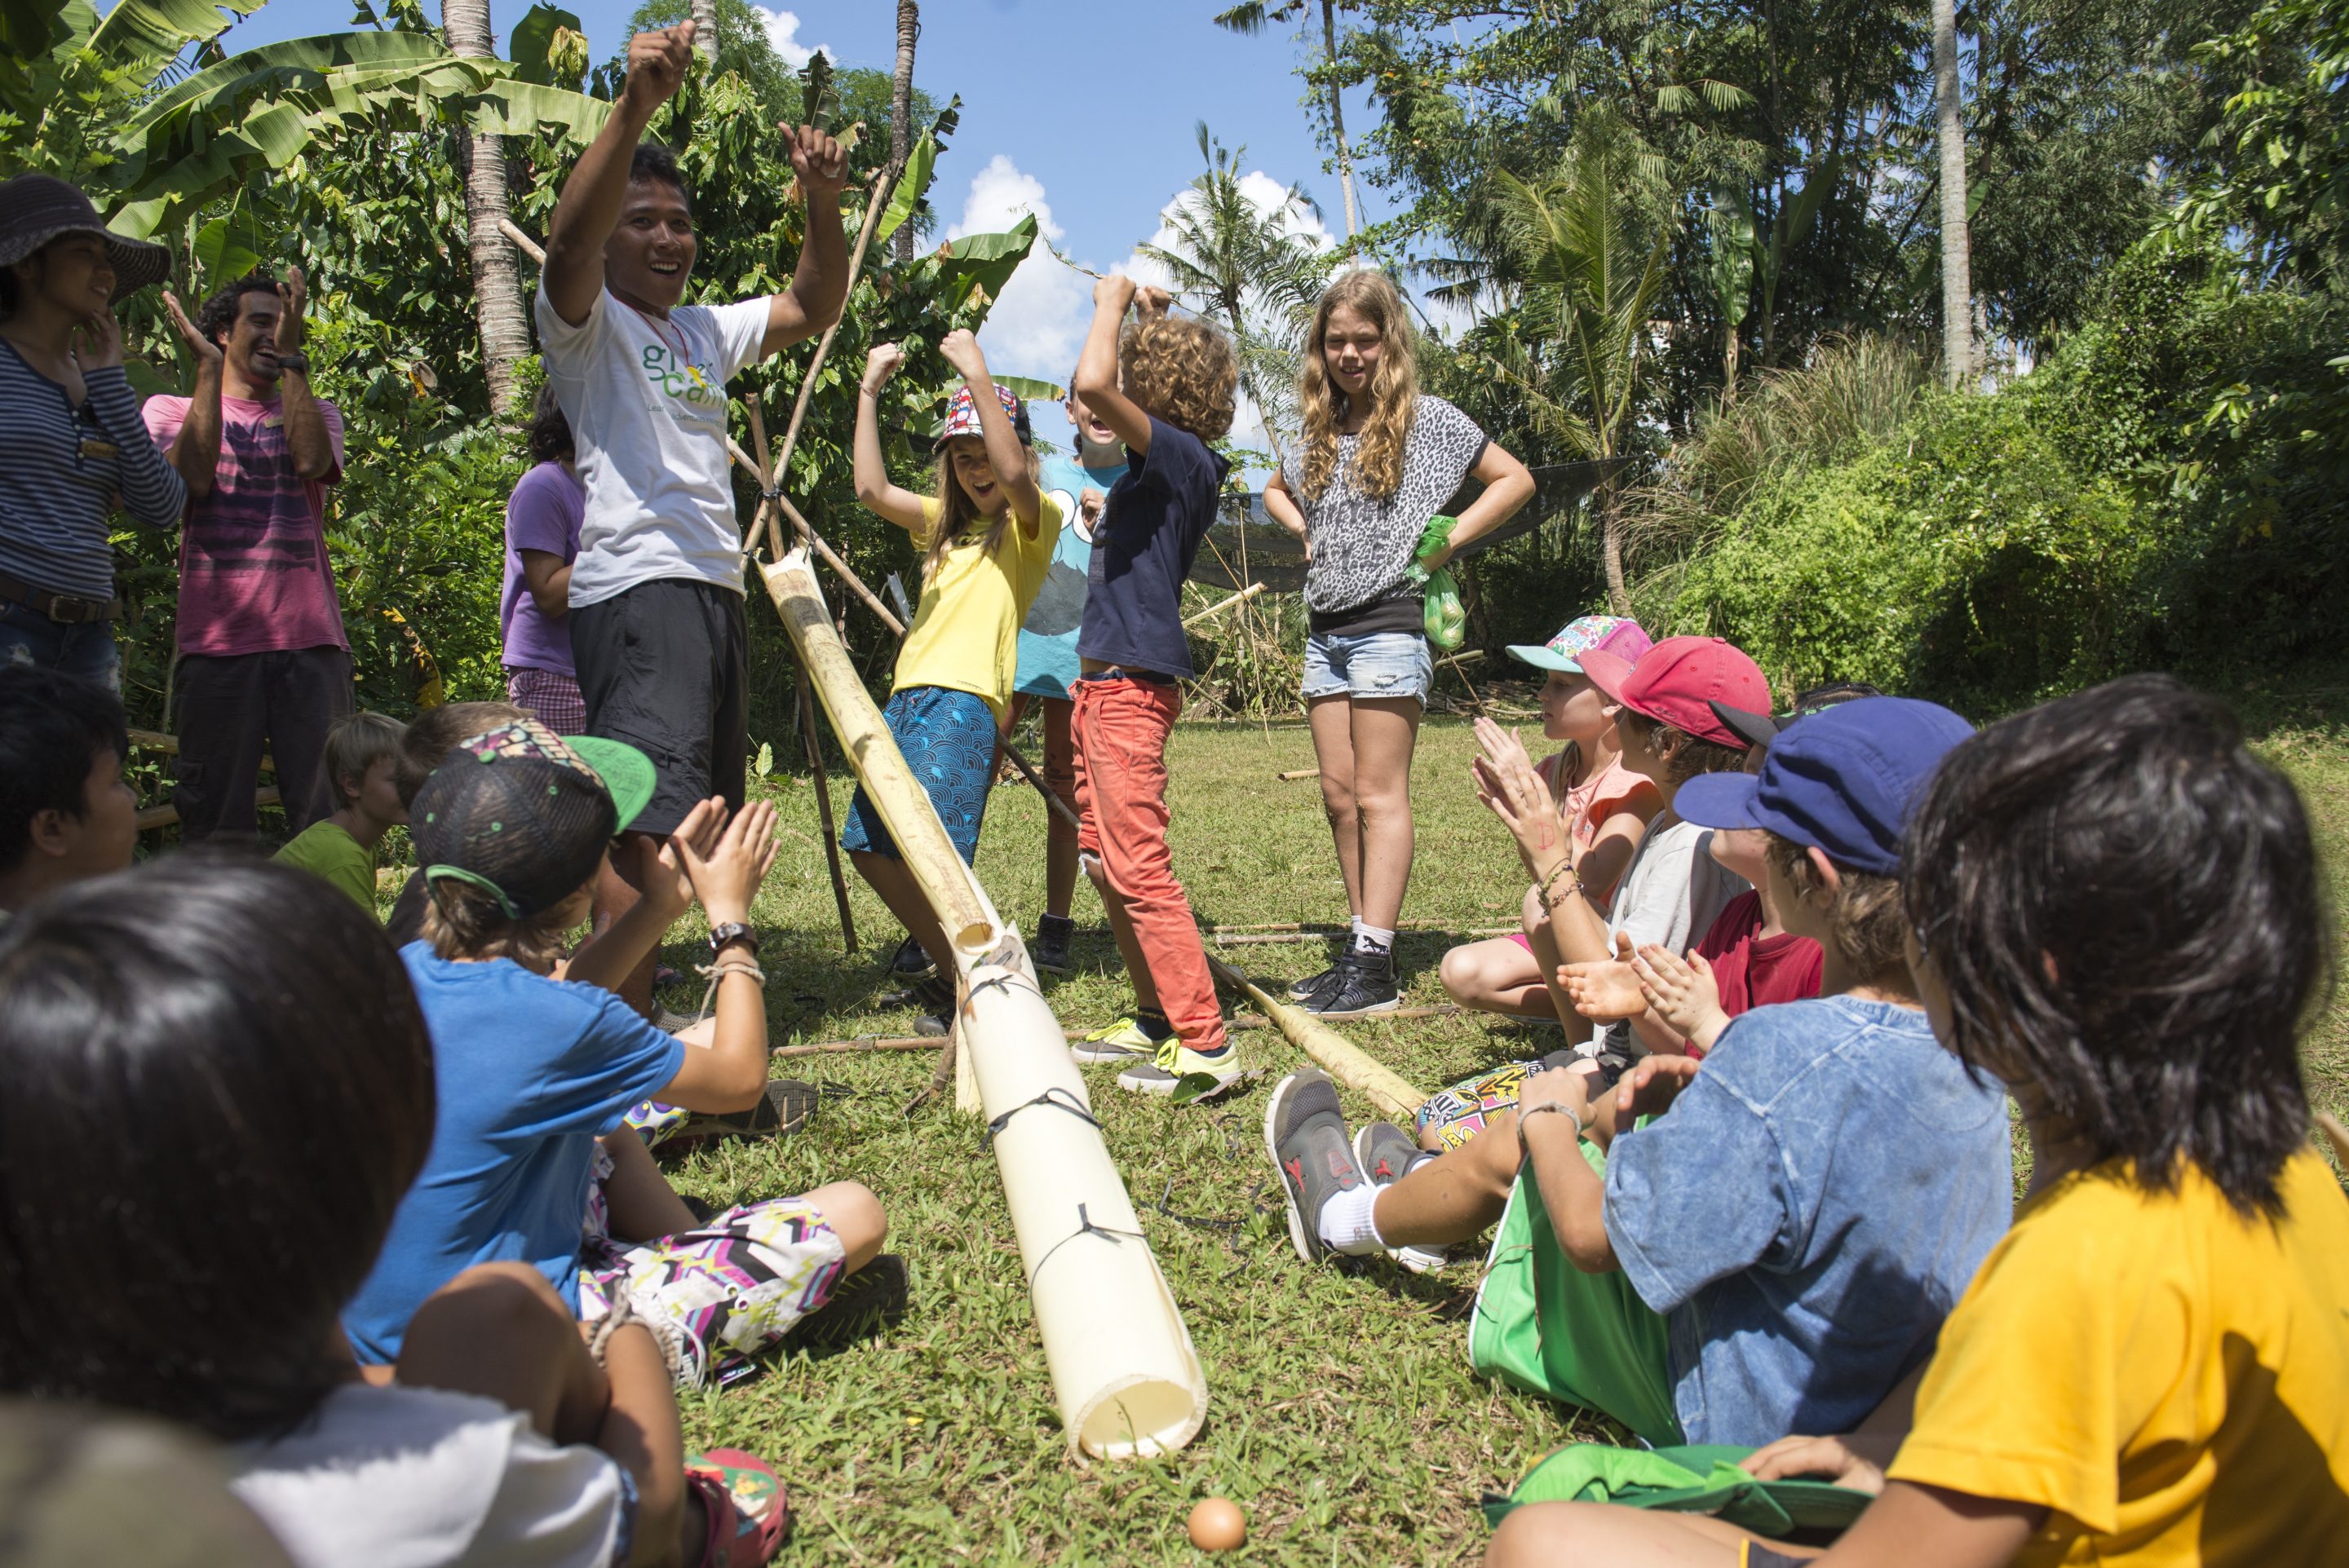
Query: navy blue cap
[[1841, 779]]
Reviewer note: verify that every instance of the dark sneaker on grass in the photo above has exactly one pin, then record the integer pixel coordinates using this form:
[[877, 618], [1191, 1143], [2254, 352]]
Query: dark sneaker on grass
[[910, 963], [1365, 985], [781, 1110], [1386, 1154], [1304, 990], [862, 1306], [1174, 1062], [1130, 1038], [1051, 949], [1305, 1134]]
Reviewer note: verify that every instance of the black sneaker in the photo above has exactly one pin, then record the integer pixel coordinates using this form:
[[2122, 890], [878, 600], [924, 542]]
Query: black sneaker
[[910, 963], [1305, 1134], [862, 1306], [935, 998], [1051, 949], [781, 1110], [1365, 985], [1304, 990]]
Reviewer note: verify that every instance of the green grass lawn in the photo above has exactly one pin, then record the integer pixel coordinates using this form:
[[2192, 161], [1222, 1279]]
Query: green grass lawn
[[1342, 1415]]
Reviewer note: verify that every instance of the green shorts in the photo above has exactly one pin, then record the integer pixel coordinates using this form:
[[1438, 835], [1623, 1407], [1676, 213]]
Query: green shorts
[[1542, 1324]]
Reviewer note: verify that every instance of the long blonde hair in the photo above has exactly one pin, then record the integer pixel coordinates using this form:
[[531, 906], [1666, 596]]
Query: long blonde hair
[[957, 513], [1393, 394]]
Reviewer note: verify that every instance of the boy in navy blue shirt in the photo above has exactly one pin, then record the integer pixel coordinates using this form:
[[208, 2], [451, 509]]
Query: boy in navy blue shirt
[[1165, 384]]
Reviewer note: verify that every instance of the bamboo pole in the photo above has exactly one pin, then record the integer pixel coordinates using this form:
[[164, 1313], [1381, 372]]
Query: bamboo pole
[[522, 241], [815, 542], [881, 186], [1220, 605], [929, 855], [1281, 938], [1341, 1059], [870, 1043], [1294, 774], [814, 744]]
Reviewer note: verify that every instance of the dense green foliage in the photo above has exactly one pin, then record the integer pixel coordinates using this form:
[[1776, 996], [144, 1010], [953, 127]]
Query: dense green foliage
[[2165, 492]]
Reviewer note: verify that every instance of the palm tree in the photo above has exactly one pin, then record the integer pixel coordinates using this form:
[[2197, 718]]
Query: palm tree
[[705, 33], [1249, 267], [1957, 281], [1253, 18], [1590, 293], [901, 108], [497, 277]]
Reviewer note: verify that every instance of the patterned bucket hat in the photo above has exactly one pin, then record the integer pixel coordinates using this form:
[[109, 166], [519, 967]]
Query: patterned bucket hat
[[37, 208], [1614, 634]]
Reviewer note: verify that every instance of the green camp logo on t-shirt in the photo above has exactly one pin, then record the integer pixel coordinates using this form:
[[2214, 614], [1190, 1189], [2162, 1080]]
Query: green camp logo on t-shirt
[[680, 377]]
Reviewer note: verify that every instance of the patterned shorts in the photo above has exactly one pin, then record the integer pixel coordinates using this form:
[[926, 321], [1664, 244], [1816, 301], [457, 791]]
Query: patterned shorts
[[1460, 1112], [549, 697], [735, 1285], [948, 738]]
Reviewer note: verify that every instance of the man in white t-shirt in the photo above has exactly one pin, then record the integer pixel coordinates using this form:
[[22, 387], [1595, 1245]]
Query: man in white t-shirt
[[657, 606]]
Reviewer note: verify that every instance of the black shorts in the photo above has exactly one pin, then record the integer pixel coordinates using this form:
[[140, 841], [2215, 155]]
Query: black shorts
[[663, 666]]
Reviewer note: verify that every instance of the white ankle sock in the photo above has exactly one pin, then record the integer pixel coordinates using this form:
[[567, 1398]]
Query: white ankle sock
[[1373, 938], [1347, 1225]]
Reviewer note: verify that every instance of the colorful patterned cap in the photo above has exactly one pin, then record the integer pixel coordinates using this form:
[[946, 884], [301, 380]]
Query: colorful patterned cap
[[525, 815], [1614, 634], [962, 418]]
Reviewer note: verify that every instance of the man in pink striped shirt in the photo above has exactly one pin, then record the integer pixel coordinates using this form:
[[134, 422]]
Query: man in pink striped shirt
[[264, 668]]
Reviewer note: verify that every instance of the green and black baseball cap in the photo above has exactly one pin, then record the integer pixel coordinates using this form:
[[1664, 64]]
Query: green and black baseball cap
[[525, 815]]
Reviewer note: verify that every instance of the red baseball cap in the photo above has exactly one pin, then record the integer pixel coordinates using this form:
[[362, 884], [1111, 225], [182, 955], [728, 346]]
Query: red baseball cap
[[1676, 682]]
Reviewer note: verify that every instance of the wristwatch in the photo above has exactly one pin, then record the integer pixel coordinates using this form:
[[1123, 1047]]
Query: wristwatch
[[295, 362], [732, 931]]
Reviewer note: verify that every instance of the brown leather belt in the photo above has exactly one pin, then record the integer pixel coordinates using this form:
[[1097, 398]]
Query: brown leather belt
[[65, 609]]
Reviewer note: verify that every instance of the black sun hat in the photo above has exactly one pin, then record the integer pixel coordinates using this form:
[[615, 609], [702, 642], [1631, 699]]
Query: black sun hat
[[524, 815], [37, 208]]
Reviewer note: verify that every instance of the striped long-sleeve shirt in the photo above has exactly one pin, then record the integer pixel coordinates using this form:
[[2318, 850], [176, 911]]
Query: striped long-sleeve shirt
[[63, 469]]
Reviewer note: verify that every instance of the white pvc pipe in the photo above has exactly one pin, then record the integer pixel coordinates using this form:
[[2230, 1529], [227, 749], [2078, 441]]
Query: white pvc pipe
[[1124, 1373]]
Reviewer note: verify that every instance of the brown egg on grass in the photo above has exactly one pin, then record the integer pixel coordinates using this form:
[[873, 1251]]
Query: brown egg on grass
[[1217, 1524]]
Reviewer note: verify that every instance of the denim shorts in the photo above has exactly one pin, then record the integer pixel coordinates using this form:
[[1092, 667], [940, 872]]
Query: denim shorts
[[1375, 665]]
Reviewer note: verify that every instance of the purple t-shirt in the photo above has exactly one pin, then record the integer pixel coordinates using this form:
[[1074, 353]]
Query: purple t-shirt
[[543, 514]]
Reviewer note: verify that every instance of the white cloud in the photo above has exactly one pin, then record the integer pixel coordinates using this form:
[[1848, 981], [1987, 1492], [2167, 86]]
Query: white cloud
[[1001, 195], [783, 32]]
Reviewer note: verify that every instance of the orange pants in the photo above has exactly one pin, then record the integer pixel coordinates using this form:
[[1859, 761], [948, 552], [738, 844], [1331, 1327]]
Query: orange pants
[[1120, 727]]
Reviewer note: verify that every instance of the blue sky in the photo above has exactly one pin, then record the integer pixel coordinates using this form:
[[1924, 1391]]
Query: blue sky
[[1083, 113]]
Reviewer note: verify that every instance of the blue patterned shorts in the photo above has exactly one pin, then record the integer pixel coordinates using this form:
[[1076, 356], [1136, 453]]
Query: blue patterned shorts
[[948, 738]]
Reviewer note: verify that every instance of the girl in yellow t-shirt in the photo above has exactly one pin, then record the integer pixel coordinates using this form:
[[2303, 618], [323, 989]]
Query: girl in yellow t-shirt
[[2118, 914], [986, 537]]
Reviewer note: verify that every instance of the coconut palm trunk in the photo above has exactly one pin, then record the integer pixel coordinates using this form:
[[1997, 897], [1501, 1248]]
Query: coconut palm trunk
[[901, 107], [705, 33], [1337, 122], [1957, 280], [497, 276]]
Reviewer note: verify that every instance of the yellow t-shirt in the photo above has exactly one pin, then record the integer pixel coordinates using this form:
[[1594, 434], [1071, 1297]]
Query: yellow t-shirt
[[966, 630], [2168, 1379]]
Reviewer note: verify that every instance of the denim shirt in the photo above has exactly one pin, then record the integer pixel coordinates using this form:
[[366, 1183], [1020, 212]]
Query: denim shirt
[[1807, 1212]]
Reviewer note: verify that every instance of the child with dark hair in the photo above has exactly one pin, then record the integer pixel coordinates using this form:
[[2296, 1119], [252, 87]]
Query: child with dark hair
[[542, 518], [1165, 386], [986, 537], [512, 832], [362, 756], [65, 812], [2115, 908], [501, 1440], [1778, 1245]]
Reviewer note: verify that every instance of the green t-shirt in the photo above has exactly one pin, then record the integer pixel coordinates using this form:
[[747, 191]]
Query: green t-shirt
[[323, 850]]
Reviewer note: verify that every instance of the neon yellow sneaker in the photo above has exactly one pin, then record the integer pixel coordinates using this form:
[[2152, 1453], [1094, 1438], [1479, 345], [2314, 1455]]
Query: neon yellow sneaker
[[1120, 1042], [1174, 1062]]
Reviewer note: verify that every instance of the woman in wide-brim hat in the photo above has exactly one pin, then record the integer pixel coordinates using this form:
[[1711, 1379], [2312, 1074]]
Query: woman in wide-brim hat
[[69, 424]]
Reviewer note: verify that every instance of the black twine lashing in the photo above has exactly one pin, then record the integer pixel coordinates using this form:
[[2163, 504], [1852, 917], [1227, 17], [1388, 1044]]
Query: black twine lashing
[[1085, 1227], [1055, 1097]]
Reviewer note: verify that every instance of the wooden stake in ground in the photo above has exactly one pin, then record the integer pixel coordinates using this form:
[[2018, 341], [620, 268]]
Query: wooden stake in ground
[[1337, 1055]]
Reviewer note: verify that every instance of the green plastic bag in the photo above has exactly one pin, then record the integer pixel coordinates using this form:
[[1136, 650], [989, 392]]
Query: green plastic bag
[[1446, 621], [1700, 1478]]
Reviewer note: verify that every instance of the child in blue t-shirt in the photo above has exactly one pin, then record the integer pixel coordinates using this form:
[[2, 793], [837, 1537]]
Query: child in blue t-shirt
[[511, 834], [1164, 385], [1048, 656]]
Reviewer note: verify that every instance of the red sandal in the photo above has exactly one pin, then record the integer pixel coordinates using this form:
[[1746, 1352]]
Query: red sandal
[[742, 1501]]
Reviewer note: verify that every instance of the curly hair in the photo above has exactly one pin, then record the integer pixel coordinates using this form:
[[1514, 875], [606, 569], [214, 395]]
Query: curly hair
[[1393, 394], [1694, 756], [217, 317], [956, 513], [1183, 371]]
